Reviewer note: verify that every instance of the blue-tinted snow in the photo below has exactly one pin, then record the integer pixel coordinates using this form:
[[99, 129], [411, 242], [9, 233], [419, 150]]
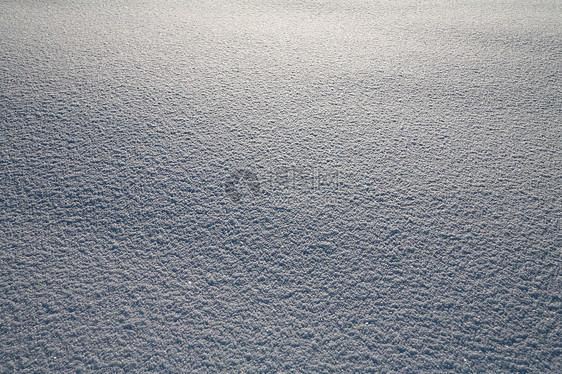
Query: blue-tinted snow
[[436, 248]]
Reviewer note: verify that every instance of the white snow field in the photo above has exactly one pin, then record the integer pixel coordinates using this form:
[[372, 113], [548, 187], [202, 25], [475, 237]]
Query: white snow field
[[280, 186]]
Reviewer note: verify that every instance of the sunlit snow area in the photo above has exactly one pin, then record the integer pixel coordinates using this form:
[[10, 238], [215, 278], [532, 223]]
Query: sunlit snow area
[[281, 186]]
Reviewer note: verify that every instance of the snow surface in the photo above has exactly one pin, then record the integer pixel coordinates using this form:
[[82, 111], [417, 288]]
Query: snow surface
[[128, 126]]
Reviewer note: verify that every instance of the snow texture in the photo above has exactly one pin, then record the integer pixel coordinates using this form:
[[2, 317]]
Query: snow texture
[[280, 186]]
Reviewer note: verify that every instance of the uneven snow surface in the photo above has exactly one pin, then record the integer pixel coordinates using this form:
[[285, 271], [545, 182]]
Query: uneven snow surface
[[285, 186]]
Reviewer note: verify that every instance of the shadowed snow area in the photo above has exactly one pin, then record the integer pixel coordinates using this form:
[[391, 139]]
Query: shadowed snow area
[[280, 186]]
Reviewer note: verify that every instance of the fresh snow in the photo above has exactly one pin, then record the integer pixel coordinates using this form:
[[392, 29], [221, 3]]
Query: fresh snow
[[280, 186]]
